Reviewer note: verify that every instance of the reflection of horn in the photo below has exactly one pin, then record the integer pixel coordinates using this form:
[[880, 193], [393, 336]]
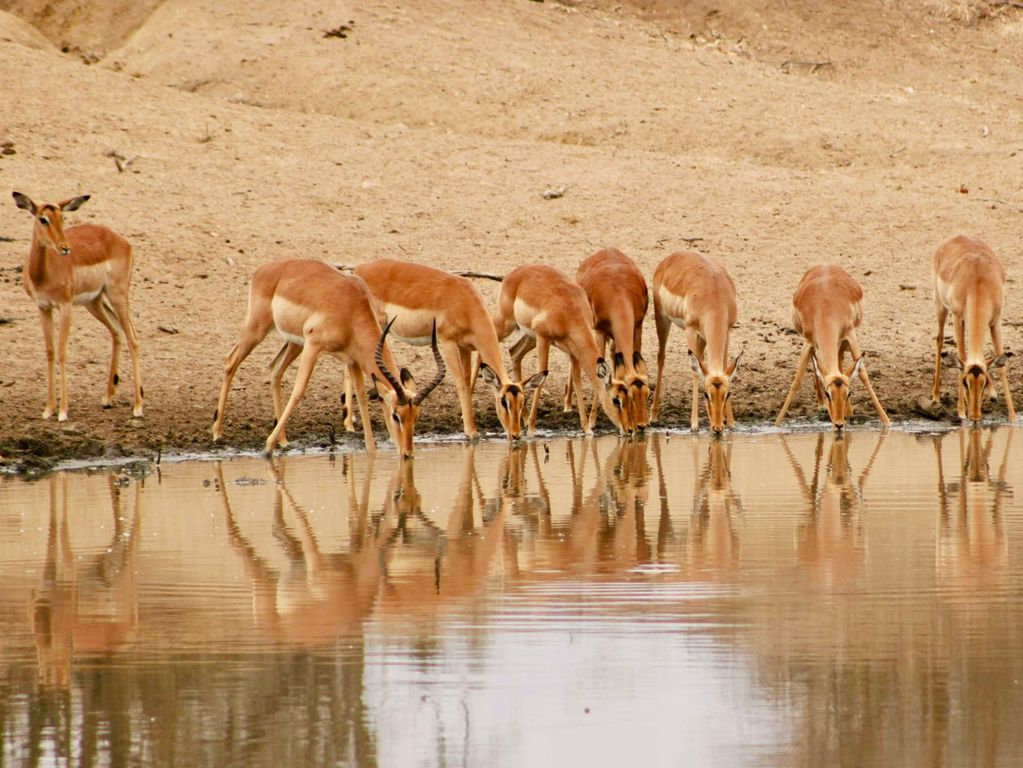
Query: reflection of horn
[[421, 396], [399, 390]]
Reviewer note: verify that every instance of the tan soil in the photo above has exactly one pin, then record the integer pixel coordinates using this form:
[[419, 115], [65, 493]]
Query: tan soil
[[779, 134]]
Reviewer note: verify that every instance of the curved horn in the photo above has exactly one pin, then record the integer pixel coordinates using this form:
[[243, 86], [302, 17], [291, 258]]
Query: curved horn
[[399, 390], [421, 396]]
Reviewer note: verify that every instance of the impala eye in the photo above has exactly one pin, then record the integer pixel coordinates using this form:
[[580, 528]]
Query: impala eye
[[707, 396], [504, 402], [617, 402], [727, 395], [44, 221], [394, 416]]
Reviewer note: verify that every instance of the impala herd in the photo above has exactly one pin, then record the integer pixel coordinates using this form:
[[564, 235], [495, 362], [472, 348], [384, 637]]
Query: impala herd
[[317, 309]]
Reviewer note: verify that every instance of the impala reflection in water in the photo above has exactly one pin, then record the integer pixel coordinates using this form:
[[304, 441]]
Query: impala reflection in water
[[801, 600]]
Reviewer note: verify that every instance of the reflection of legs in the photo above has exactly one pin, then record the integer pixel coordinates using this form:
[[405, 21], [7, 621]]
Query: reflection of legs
[[804, 359], [996, 342], [280, 364], [543, 347], [857, 353]]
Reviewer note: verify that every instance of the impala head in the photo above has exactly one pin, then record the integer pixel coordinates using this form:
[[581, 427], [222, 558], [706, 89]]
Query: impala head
[[716, 389], [615, 398], [638, 383], [402, 400], [49, 220], [510, 398], [976, 378], [836, 390]]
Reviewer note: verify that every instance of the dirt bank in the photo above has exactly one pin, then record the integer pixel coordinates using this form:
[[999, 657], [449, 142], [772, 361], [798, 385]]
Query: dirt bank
[[862, 133]]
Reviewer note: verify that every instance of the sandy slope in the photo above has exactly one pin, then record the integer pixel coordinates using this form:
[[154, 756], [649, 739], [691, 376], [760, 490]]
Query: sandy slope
[[430, 131]]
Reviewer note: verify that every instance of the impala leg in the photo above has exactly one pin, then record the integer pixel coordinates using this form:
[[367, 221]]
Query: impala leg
[[586, 422], [46, 320], [857, 353], [348, 404], [251, 335], [519, 350], [697, 345], [729, 415], [942, 314], [355, 376], [121, 309], [959, 331], [996, 342], [663, 328], [804, 360], [63, 333], [543, 348], [458, 365], [98, 310], [306, 363], [601, 340], [280, 364]]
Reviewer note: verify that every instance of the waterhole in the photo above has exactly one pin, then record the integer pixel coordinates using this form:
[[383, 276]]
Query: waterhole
[[759, 600]]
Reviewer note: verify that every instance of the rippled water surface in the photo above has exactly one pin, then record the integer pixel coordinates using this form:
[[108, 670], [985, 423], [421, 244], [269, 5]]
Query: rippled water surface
[[761, 600]]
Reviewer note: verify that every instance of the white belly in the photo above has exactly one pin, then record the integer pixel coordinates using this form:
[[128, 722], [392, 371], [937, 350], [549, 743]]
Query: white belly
[[86, 298], [412, 326], [673, 306]]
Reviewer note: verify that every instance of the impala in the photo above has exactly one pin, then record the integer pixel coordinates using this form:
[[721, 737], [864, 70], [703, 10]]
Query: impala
[[416, 296], [318, 310], [551, 309], [696, 293], [969, 282], [85, 264], [826, 312], [618, 298]]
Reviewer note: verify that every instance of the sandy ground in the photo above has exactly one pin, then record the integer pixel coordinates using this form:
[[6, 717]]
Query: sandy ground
[[771, 136]]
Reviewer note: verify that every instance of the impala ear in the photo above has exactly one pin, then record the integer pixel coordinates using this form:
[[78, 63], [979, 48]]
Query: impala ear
[[856, 367], [639, 363], [998, 362], [534, 381], [952, 360], [407, 378], [24, 202], [604, 371], [619, 360], [735, 364], [74, 203], [697, 365], [816, 368], [489, 376]]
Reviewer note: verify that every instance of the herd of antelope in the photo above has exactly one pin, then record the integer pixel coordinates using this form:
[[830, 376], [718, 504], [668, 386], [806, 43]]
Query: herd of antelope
[[317, 309]]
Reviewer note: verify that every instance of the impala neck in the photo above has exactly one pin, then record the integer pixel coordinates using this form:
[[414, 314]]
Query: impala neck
[[828, 345], [35, 262], [974, 317], [715, 331]]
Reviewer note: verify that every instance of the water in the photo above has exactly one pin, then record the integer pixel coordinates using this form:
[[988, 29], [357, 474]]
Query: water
[[762, 600]]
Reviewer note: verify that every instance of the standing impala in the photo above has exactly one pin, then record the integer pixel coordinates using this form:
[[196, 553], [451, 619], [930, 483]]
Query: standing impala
[[86, 264], [969, 282], [550, 308], [826, 312], [318, 310], [696, 293], [415, 296], [618, 298]]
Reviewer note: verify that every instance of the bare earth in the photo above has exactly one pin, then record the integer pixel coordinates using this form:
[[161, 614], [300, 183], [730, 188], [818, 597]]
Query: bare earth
[[771, 136]]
